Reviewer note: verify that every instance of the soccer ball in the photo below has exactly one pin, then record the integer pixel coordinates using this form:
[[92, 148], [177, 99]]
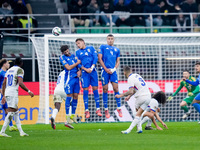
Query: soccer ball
[[56, 31]]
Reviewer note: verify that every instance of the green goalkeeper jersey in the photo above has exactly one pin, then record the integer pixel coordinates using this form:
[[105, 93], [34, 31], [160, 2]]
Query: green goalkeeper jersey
[[189, 87]]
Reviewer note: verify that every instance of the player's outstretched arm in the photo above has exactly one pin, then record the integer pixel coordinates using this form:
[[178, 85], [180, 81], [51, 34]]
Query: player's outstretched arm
[[131, 91], [21, 84], [160, 120], [195, 83], [3, 101], [103, 65]]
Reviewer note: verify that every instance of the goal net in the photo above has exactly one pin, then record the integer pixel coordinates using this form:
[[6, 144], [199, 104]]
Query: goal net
[[158, 58]]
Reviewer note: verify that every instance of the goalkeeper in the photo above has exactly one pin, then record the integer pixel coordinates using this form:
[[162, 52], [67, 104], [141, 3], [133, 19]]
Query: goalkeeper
[[192, 92]]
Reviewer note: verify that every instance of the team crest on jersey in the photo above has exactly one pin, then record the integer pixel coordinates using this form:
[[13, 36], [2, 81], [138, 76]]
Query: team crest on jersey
[[67, 58], [88, 50]]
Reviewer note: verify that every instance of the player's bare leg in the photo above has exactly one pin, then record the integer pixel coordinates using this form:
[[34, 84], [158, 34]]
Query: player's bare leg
[[183, 104], [55, 111], [118, 100], [96, 97], [85, 94], [105, 100]]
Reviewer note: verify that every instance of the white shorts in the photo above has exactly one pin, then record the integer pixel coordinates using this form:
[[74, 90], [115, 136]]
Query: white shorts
[[142, 102], [12, 101], [59, 96]]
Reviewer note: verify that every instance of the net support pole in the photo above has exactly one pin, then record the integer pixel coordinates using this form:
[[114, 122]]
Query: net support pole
[[46, 47], [160, 61]]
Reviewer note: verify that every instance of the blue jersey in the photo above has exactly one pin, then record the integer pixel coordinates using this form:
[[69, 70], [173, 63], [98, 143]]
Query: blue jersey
[[109, 55], [2, 75], [88, 56], [70, 60]]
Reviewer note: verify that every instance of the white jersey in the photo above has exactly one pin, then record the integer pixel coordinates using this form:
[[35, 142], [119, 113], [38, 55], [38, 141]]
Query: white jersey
[[137, 82], [12, 83], [153, 105], [60, 82]]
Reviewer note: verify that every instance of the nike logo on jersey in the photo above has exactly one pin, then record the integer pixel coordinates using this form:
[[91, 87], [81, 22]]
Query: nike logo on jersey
[[81, 53], [107, 48]]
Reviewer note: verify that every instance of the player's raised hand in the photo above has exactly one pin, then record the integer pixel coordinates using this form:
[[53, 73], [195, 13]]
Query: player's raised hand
[[170, 98], [31, 94]]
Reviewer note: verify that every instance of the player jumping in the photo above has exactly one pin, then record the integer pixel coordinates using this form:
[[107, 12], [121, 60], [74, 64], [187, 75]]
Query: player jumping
[[13, 79], [88, 57], [71, 83], [192, 93], [4, 67], [196, 100], [138, 88], [152, 111], [109, 58]]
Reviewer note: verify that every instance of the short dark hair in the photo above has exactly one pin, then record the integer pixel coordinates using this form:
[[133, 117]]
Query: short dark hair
[[186, 70], [110, 35], [197, 63], [2, 62], [127, 69], [18, 61], [64, 48], [160, 97], [79, 39]]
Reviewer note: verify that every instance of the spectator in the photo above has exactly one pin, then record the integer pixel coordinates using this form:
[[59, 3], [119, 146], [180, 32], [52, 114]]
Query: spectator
[[181, 22], [93, 8], [19, 7], [174, 2], [126, 2], [189, 6], [7, 22], [25, 3], [165, 8], [196, 22], [79, 8], [137, 6], [152, 7], [6, 8], [123, 14], [106, 9]]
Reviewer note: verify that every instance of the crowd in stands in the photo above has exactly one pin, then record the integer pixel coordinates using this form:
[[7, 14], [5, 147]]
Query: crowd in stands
[[122, 11], [16, 7]]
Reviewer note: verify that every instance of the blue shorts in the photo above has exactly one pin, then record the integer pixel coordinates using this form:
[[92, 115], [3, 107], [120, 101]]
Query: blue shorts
[[72, 85], [197, 97], [105, 77], [88, 79]]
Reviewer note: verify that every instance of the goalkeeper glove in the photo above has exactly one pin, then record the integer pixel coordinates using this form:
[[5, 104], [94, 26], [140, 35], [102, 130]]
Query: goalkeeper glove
[[170, 98], [113, 70], [190, 94]]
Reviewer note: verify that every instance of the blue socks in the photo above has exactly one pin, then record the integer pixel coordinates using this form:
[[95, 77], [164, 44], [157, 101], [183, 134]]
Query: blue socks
[[74, 105], [85, 98], [10, 124], [96, 97], [196, 106], [67, 104], [105, 100], [118, 100]]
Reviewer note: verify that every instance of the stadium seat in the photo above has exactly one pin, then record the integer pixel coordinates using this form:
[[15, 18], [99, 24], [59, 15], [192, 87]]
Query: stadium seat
[[139, 30], [97, 30], [82, 29], [167, 29], [113, 30], [124, 30]]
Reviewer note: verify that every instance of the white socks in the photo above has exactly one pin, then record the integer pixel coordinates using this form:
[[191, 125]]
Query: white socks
[[134, 123], [145, 119], [17, 121], [149, 122], [55, 111], [7, 121]]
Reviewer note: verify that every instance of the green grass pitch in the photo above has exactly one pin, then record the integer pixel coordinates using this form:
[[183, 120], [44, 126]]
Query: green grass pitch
[[104, 136]]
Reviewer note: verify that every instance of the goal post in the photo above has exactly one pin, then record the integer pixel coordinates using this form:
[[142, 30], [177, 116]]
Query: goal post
[[159, 58]]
